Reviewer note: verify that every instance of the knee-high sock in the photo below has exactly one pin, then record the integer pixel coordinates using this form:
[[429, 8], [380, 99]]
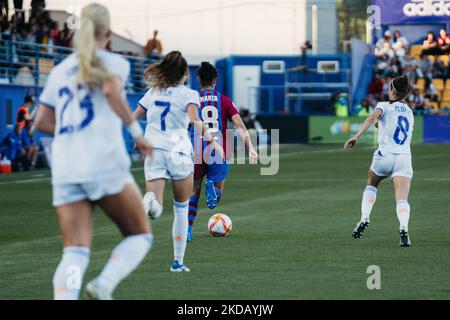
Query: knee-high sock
[[69, 274], [125, 257], [368, 200], [193, 207], [403, 212], [180, 229]]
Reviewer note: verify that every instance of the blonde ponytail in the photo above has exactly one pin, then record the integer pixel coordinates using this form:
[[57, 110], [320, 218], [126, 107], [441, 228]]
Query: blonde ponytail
[[95, 18]]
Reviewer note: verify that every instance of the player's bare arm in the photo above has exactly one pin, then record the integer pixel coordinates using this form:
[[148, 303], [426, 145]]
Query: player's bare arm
[[376, 114], [245, 136], [45, 120], [112, 91]]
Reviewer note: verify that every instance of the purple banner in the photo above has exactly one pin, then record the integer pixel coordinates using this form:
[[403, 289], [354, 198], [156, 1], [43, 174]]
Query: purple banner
[[413, 11]]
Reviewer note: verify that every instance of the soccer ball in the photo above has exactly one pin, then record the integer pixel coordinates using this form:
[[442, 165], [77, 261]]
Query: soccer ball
[[219, 225]]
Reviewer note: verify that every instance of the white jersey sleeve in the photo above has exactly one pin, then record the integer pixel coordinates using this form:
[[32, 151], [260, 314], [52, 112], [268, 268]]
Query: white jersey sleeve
[[193, 97], [395, 127], [48, 96]]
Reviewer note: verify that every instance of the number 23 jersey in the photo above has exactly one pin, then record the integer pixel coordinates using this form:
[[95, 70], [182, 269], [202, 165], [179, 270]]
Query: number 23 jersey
[[395, 127], [167, 117], [88, 143]]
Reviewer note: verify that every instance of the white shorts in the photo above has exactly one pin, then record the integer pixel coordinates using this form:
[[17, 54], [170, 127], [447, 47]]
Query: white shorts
[[168, 165], [388, 164], [93, 191]]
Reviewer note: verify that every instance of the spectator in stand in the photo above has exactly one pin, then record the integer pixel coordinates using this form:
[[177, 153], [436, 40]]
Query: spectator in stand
[[430, 45], [11, 148], [65, 36], [400, 45], [386, 86], [55, 33], [408, 60], [424, 67], [23, 114], [4, 8], [438, 69], [37, 6], [29, 145], [376, 87], [431, 92], [444, 42], [416, 100], [383, 46], [4, 24], [154, 48]]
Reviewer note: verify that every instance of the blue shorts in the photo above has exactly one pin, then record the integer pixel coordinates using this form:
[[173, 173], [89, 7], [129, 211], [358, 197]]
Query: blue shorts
[[216, 172]]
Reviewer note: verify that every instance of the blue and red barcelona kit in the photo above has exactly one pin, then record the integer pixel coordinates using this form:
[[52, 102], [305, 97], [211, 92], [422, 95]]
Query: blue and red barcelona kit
[[215, 111]]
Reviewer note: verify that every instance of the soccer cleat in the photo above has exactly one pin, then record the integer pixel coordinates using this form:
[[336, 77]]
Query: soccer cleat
[[211, 195], [404, 238], [190, 236], [176, 267], [149, 203], [360, 227], [96, 292]]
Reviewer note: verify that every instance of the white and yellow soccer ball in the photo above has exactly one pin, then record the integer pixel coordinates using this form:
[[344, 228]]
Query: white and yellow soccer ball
[[219, 225]]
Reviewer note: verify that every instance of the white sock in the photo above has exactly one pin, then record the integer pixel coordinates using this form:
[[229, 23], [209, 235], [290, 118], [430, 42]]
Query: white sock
[[180, 229], [152, 206], [368, 200], [125, 257], [69, 273], [403, 210]]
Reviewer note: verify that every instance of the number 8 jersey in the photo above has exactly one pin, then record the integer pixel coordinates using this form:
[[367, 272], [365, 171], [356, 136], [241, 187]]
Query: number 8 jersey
[[395, 127]]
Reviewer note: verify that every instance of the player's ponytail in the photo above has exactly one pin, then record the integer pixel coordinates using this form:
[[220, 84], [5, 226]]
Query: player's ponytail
[[401, 87], [207, 74], [167, 73], [95, 19]]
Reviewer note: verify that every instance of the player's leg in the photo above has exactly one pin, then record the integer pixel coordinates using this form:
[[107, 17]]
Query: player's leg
[[219, 189], [368, 200], [181, 191], [75, 221], [402, 186], [153, 199], [216, 174], [156, 175], [126, 211], [193, 206]]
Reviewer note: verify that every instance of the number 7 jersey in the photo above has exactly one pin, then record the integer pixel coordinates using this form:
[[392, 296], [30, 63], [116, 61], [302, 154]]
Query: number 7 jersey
[[167, 117], [395, 127]]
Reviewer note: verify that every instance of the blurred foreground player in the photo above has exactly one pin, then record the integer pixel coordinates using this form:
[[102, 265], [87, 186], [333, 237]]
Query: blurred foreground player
[[83, 106]]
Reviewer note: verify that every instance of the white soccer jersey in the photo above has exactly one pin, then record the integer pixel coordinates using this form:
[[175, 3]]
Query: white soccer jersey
[[395, 127], [167, 117], [88, 143]]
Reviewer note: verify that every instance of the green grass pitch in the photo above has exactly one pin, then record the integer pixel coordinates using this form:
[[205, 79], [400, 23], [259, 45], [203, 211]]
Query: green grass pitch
[[291, 235]]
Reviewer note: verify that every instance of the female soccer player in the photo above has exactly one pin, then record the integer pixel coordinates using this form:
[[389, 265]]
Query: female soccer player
[[83, 106], [392, 158], [215, 111], [170, 107]]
